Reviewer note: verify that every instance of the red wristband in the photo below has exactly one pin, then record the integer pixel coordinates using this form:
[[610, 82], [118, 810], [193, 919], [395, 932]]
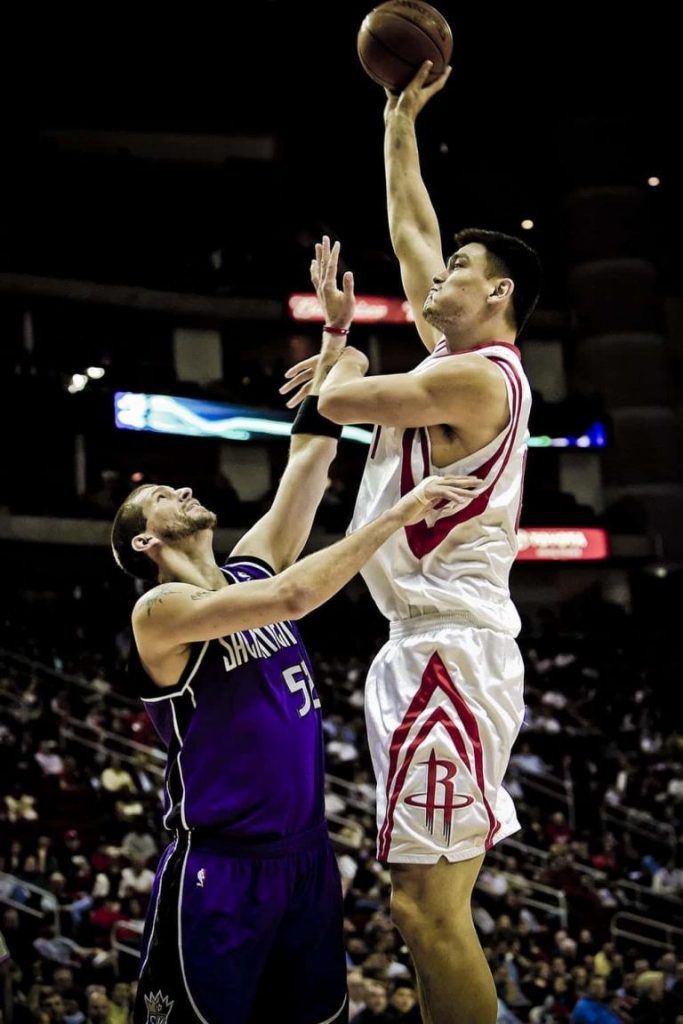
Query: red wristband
[[331, 329]]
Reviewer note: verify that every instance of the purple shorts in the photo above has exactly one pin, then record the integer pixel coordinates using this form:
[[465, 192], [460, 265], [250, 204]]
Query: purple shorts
[[244, 934]]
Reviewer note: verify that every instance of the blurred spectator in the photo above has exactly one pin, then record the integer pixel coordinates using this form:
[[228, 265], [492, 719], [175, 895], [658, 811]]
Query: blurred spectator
[[403, 1004], [558, 830], [592, 1008], [98, 1008], [525, 759], [49, 758], [139, 842], [136, 879], [20, 806], [356, 986], [376, 1006], [668, 880], [121, 1004], [116, 779]]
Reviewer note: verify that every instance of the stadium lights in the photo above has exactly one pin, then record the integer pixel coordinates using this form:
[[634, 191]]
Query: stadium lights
[[527, 224], [77, 383], [79, 380]]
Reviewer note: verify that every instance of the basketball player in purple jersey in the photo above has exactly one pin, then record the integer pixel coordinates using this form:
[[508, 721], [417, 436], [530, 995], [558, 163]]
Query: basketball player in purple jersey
[[444, 696], [245, 919]]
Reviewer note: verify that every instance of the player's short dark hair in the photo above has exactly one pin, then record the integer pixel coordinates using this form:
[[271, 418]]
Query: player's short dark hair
[[510, 257], [129, 521]]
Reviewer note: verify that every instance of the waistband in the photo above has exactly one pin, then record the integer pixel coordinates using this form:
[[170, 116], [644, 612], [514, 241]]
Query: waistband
[[428, 623], [251, 846]]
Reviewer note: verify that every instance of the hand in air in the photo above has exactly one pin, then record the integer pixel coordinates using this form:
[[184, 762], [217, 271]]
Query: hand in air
[[300, 376], [338, 306], [416, 94]]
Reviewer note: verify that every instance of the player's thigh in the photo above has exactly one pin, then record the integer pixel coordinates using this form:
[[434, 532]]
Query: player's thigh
[[305, 979]]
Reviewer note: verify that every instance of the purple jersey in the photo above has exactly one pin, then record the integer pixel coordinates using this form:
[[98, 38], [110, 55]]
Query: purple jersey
[[242, 727]]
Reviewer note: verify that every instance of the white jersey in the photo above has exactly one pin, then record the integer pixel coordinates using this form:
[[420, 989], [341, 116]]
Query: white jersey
[[461, 563]]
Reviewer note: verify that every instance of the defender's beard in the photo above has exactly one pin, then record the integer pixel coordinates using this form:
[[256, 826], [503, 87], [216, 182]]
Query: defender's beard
[[191, 523]]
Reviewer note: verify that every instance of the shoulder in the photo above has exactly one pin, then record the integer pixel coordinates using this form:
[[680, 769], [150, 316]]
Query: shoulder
[[156, 604], [154, 598]]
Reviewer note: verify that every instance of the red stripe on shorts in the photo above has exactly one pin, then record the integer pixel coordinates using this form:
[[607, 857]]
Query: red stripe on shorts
[[435, 677]]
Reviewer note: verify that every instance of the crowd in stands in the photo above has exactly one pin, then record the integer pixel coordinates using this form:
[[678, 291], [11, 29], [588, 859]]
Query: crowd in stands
[[597, 775]]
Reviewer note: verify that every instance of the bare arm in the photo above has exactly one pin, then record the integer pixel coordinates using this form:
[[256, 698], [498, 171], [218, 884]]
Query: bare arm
[[279, 536], [413, 225], [462, 391], [173, 615]]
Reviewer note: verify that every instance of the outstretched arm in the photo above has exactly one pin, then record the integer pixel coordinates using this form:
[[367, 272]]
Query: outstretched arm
[[280, 536], [173, 615], [413, 225]]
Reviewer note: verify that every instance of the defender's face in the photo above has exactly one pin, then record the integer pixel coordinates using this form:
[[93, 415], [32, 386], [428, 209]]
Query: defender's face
[[173, 513], [459, 293]]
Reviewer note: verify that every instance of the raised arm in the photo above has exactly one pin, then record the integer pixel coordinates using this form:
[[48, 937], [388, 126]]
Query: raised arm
[[173, 615], [281, 534], [413, 225]]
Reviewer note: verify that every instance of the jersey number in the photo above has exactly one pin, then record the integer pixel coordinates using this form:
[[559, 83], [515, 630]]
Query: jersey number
[[299, 680]]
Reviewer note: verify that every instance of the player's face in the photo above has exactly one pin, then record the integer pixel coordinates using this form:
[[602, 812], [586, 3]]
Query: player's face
[[459, 294], [174, 513]]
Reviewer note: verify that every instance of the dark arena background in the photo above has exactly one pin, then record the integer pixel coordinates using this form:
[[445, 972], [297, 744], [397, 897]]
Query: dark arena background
[[163, 186]]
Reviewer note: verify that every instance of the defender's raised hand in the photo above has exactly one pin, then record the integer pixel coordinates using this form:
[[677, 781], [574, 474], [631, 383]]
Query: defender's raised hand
[[300, 376], [338, 306]]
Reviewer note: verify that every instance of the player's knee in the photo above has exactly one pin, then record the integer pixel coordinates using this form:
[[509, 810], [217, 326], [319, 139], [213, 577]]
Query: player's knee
[[421, 919], [407, 915]]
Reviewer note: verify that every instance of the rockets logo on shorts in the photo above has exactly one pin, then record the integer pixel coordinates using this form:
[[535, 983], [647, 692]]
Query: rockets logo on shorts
[[158, 1008], [451, 800]]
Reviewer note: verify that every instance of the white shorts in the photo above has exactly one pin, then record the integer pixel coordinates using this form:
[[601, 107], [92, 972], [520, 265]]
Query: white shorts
[[443, 704]]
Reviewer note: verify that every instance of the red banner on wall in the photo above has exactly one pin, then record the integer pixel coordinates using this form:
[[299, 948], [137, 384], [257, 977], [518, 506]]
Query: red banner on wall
[[370, 309], [561, 544]]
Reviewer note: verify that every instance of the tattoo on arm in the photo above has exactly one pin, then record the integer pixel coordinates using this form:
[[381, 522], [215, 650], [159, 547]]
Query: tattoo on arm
[[199, 595], [156, 598]]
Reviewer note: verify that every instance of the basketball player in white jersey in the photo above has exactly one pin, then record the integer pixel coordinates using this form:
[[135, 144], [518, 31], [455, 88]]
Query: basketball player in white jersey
[[444, 697]]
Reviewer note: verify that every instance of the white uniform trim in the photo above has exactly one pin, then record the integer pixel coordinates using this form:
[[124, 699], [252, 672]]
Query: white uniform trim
[[179, 693], [156, 905], [180, 770], [254, 565], [329, 1020], [180, 934]]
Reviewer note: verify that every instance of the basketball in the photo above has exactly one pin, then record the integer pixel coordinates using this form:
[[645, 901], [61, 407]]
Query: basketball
[[398, 36]]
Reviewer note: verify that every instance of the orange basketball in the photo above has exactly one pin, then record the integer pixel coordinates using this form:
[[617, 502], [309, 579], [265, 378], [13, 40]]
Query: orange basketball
[[398, 36]]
